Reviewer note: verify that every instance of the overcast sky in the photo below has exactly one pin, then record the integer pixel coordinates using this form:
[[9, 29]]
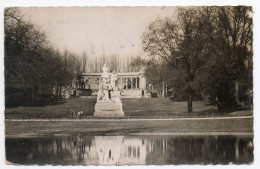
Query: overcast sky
[[112, 30]]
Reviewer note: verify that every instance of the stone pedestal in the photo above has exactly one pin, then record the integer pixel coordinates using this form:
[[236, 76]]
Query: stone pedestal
[[108, 109]]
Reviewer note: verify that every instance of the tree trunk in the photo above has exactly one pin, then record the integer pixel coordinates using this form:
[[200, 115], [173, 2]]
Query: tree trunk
[[34, 92], [190, 104], [57, 91], [163, 93], [60, 95], [166, 91], [237, 92], [52, 88]]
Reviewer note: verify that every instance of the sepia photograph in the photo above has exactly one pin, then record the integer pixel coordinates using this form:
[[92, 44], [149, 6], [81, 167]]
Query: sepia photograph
[[161, 85]]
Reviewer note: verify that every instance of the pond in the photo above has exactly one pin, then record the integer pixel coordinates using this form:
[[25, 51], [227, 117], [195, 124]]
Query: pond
[[130, 150]]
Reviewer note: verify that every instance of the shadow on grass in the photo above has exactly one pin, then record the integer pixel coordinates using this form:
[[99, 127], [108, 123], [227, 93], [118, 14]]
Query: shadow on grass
[[226, 111], [44, 103], [37, 103]]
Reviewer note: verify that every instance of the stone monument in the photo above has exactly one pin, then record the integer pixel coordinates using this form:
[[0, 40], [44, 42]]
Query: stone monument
[[109, 96]]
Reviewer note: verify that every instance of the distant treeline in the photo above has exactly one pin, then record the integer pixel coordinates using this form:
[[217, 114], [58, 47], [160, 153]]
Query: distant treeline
[[114, 62]]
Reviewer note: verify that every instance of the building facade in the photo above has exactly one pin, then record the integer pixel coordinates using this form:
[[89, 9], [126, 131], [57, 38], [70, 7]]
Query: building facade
[[132, 84]]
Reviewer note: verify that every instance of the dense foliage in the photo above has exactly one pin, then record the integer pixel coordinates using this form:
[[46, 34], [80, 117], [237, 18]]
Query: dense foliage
[[31, 65], [207, 49]]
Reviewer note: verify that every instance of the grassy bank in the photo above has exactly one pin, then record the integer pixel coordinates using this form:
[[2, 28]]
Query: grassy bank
[[131, 127], [133, 108]]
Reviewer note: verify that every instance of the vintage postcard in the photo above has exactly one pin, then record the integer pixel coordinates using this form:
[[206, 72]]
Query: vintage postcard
[[164, 85]]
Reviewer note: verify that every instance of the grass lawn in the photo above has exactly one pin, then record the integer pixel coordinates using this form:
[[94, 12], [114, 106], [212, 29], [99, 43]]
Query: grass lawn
[[133, 108]]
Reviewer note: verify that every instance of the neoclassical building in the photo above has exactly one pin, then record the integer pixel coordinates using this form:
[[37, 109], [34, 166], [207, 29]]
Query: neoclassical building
[[132, 84]]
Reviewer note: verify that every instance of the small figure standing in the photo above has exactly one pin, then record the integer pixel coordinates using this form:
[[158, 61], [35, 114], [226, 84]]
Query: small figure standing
[[107, 90], [70, 112], [104, 86], [101, 93], [116, 94]]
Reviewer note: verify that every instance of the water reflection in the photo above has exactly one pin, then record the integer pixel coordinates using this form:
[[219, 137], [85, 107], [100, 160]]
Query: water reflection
[[123, 150]]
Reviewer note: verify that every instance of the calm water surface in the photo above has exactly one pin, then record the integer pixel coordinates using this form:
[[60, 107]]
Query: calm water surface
[[124, 150]]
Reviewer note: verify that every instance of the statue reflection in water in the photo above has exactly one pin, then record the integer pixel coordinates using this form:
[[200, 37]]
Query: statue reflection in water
[[131, 150]]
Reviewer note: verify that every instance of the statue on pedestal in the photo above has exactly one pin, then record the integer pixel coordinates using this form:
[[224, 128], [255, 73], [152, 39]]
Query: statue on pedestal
[[109, 95]]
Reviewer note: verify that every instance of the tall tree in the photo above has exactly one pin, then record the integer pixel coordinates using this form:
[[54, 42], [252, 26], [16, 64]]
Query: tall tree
[[84, 61], [30, 61], [236, 37], [180, 42], [157, 73], [228, 71], [208, 48], [23, 47]]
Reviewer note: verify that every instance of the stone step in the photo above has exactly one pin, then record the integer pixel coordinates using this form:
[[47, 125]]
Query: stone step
[[131, 94]]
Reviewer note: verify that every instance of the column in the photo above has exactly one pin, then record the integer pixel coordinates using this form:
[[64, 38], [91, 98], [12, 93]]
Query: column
[[119, 82], [144, 81], [134, 82], [140, 82]]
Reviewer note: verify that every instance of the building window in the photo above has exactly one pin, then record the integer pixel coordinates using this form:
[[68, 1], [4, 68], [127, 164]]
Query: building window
[[137, 82], [128, 83], [134, 152], [120, 85], [138, 152], [134, 83], [129, 151], [124, 83]]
